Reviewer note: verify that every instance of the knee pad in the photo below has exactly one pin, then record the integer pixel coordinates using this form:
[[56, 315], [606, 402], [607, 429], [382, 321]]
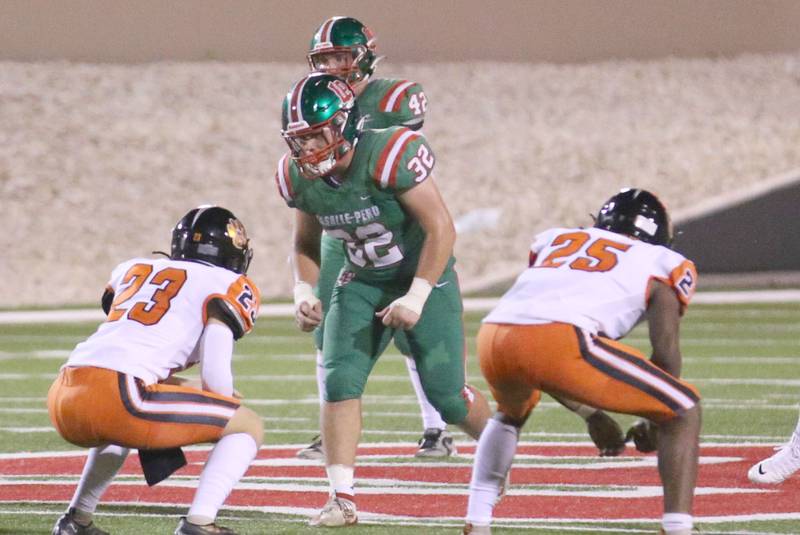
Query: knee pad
[[452, 406], [344, 382]]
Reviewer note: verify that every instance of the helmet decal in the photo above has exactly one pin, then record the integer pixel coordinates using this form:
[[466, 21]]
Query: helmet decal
[[237, 233], [342, 91]]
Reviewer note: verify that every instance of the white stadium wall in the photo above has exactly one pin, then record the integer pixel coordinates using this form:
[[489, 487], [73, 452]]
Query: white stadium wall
[[98, 160]]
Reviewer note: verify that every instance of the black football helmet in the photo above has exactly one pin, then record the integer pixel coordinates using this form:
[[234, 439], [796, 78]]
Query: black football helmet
[[637, 213], [212, 234]]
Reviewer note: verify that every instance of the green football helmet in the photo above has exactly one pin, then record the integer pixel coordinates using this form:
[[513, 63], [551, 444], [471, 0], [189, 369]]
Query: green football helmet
[[320, 122], [344, 47]]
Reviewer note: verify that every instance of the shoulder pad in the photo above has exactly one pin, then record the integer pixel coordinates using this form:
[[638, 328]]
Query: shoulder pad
[[238, 308]]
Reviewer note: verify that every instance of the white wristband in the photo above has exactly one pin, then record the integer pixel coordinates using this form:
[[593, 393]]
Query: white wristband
[[417, 294], [304, 293]]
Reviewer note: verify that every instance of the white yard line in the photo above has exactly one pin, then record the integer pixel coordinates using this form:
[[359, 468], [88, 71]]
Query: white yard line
[[470, 305]]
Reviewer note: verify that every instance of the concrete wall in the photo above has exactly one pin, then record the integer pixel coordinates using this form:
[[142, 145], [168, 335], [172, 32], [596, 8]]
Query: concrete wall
[[408, 31]]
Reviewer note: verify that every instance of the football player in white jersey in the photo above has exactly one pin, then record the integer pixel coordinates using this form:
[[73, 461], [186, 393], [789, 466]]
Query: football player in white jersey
[[118, 389], [555, 331]]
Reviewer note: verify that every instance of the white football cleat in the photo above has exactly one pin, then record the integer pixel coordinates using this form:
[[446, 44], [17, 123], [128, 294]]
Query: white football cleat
[[313, 451], [779, 467], [338, 512]]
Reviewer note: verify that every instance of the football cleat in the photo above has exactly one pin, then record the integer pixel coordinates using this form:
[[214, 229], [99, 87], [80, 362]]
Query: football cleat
[[338, 512], [436, 443], [472, 529], [187, 528], [779, 467], [313, 451], [66, 525]]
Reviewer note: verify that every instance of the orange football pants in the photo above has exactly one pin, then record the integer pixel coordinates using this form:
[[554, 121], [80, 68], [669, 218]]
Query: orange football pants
[[94, 406], [520, 361]]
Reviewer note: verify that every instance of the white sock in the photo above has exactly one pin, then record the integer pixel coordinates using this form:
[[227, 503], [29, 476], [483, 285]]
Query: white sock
[[340, 477], [677, 523], [431, 419], [226, 465], [320, 378], [101, 466], [493, 458]]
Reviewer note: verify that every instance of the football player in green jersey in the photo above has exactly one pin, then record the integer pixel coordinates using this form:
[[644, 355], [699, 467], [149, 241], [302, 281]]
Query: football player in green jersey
[[345, 47], [373, 190]]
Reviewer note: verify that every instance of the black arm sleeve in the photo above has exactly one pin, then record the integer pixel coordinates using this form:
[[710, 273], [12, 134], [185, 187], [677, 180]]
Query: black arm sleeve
[[106, 300], [224, 311]]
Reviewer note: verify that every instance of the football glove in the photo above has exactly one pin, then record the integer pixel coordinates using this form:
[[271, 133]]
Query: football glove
[[644, 434], [606, 434]]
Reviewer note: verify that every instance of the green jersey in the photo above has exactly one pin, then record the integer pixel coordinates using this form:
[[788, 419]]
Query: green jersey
[[361, 207], [386, 102]]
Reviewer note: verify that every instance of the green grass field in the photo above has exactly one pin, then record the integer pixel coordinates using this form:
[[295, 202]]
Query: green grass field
[[744, 358]]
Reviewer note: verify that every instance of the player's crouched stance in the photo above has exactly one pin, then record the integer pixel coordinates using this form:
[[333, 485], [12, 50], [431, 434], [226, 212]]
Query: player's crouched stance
[[555, 331], [117, 390]]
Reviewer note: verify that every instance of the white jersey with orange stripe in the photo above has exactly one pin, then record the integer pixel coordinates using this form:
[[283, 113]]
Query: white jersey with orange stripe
[[159, 311], [592, 278]]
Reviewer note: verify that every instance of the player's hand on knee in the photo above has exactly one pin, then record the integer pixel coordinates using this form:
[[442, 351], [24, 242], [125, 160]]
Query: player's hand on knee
[[644, 434], [307, 307], [404, 312], [308, 316], [606, 434], [398, 316]]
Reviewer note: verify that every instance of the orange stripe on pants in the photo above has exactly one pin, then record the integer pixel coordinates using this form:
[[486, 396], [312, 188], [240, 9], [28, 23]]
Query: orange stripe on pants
[[518, 361], [86, 408]]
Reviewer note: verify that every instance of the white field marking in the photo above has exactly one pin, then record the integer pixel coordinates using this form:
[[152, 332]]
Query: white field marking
[[708, 341], [709, 404], [366, 518], [275, 447], [261, 378], [398, 487], [405, 400], [744, 360], [759, 313], [749, 381], [454, 522], [788, 327], [470, 305], [26, 430]]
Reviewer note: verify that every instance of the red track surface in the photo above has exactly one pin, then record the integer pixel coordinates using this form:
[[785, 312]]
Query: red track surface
[[727, 475]]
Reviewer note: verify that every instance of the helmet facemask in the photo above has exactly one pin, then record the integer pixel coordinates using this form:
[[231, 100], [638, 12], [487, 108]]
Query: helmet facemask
[[331, 145]]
